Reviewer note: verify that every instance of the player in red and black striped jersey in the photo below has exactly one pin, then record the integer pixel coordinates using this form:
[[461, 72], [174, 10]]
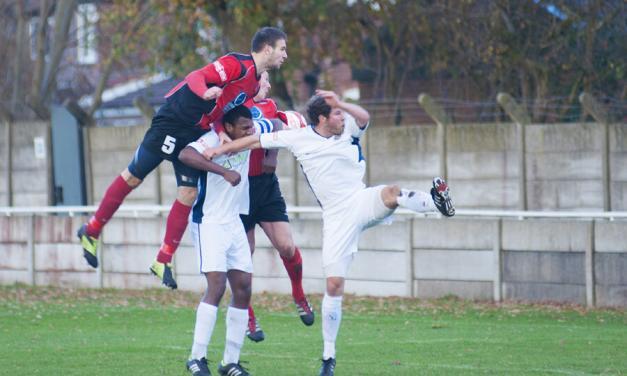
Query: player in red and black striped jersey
[[203, 97]]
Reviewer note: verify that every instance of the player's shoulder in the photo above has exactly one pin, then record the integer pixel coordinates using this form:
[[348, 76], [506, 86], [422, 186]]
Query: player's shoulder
[[270, 107], [351, 125], [235, 59], [243, 60], [209, 139], [239, 56], [270, 102]]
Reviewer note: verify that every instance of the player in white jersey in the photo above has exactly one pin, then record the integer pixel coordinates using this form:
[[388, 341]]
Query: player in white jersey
[[221, 242], [330, 156]]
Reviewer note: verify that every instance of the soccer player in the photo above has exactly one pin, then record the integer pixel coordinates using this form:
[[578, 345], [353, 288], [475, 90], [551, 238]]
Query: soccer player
[[191, 106], [221, 243], [268, 209], [331, 159]]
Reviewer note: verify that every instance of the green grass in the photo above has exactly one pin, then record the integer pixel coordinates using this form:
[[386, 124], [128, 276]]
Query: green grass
[[50, 331]]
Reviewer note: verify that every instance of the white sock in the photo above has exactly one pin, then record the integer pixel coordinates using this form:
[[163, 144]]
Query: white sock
[[331, 319], [236, 321], [416, 200], [206, 315]]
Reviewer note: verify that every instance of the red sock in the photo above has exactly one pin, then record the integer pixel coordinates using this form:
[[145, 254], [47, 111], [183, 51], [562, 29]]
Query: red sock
[[251, 313], [294, 268], [111, 201], [174, 230]]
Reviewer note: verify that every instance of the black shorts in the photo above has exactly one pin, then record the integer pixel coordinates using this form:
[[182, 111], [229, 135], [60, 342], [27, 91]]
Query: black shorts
[[266, 201], [164, 140], [167, 137]]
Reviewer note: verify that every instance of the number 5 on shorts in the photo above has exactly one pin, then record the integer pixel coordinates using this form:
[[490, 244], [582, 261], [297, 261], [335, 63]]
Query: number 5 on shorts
[[169, 143]]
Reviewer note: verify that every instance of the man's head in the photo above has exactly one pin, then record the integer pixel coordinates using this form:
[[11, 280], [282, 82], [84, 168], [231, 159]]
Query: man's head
[[269, 47], [321, 114], [264, 87], [238, 122]]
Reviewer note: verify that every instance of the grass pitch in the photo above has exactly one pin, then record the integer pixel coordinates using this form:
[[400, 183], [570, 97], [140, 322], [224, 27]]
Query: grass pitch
[[51, 331]]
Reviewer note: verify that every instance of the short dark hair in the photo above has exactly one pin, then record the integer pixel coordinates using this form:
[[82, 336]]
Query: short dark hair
[[317, 106], [233, 115], [266, 35]]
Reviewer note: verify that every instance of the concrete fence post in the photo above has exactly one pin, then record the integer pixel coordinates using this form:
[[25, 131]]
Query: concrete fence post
[[601, 115], [409, 259], [148, 112], [295, 168], [7, 119], [51, 196], [589, 266], [498, 263], [30, 248], [365, 144], [89, 183], [442, 119], [522, 119]]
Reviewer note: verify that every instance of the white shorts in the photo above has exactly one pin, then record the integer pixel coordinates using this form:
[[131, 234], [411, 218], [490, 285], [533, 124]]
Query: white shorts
[[342, 226], [222, 247]]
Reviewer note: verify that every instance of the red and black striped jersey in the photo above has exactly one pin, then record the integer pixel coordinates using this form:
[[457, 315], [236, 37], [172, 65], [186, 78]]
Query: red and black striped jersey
[[265, 108], [235, 73]]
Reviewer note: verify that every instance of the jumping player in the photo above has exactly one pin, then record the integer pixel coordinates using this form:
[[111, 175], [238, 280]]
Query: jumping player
[[191, 106]]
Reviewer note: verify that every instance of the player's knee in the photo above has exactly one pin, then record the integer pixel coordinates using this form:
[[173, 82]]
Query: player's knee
[[186, 195], [389, 194], [242, 293], [130, 179], [243, 290], [286, 248], [391, 191], [335, 286], [215, 292]]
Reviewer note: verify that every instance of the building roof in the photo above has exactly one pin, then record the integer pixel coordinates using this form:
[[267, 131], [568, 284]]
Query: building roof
[[153, 93]]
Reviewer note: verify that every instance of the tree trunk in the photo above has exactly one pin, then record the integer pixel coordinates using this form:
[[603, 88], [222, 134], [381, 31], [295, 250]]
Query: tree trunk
[[64, 13], [20, 44], [40, 59]]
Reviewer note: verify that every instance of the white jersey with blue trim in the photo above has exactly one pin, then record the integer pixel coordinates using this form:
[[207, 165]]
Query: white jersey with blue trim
[[333, 166], [218, 201]]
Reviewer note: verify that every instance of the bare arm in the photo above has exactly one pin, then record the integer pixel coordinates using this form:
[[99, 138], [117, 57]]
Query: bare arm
[[362, 117], [248, 142], [193, 158]]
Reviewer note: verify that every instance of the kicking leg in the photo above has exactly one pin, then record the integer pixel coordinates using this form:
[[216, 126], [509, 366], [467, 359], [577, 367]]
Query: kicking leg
[[439, 198]]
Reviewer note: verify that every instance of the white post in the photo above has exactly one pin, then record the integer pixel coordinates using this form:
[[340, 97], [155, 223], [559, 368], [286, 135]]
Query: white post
[[30, 246], [409, 258], [498, 269], [589, 266], [295, 168]]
